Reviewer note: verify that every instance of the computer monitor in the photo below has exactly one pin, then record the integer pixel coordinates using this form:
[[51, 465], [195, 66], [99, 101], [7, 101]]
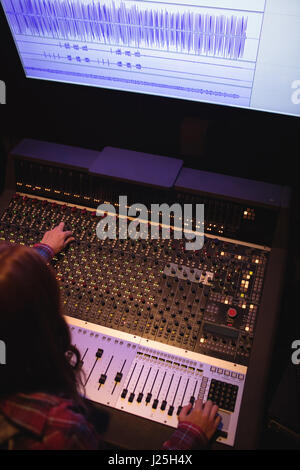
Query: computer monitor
[[241, 53]]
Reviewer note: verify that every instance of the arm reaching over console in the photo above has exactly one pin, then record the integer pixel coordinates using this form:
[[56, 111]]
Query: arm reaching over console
[[46, 366], [54, 241]]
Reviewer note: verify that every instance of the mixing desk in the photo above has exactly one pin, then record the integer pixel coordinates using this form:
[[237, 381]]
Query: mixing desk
[[153, 380], [204, 301], [157, 325]]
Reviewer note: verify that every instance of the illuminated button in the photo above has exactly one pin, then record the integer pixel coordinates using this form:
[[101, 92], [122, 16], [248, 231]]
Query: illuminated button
[[241, 376], [220, 371], [231, 312], [233, 375]]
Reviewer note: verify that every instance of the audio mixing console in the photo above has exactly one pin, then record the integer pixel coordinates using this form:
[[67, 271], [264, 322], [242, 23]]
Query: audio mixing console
[[204, 301], [154, 380], [157, 325], [199, 302]]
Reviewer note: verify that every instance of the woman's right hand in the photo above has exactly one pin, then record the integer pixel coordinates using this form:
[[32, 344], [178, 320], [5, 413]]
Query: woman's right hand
[[203, 415]]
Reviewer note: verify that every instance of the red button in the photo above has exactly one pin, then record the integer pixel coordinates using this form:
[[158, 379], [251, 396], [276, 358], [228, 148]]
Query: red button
[[231, 312]]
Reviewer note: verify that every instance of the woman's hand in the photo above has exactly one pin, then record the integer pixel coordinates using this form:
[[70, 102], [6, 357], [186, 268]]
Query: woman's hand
[[205, 416], [57, 239]]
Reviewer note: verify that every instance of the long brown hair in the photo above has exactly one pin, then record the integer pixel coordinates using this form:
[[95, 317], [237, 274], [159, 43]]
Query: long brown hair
[[32, 326]]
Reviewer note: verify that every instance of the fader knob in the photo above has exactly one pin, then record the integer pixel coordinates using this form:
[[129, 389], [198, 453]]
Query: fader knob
[[102, 379], [155, 404], [148, 398], [163, 405]]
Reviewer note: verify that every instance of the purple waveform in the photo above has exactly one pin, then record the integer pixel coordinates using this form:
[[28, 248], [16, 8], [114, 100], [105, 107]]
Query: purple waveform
[[202, 34]]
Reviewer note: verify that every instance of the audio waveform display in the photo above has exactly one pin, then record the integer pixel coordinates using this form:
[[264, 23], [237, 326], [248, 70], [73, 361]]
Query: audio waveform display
[[200, 91], [187, 31]]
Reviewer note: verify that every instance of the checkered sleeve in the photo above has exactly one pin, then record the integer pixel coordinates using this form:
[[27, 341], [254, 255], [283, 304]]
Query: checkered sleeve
[[45, 251], [187, 436]]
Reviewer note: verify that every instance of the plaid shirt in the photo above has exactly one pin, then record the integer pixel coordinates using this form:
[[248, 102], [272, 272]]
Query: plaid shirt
[[50, 422], [40, 421], [186, 437], [44, 250]]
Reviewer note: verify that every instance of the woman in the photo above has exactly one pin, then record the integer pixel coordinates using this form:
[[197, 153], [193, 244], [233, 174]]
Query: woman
[[40, 407]]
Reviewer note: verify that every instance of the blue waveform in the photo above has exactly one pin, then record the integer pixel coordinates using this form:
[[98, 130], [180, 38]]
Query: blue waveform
[[203, 34], [201, 91]]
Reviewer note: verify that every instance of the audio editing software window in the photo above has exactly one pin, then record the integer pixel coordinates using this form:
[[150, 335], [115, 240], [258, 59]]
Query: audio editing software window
[[241, 53]]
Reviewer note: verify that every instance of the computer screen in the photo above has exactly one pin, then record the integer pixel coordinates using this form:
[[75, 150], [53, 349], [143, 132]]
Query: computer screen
[[241, 53]]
